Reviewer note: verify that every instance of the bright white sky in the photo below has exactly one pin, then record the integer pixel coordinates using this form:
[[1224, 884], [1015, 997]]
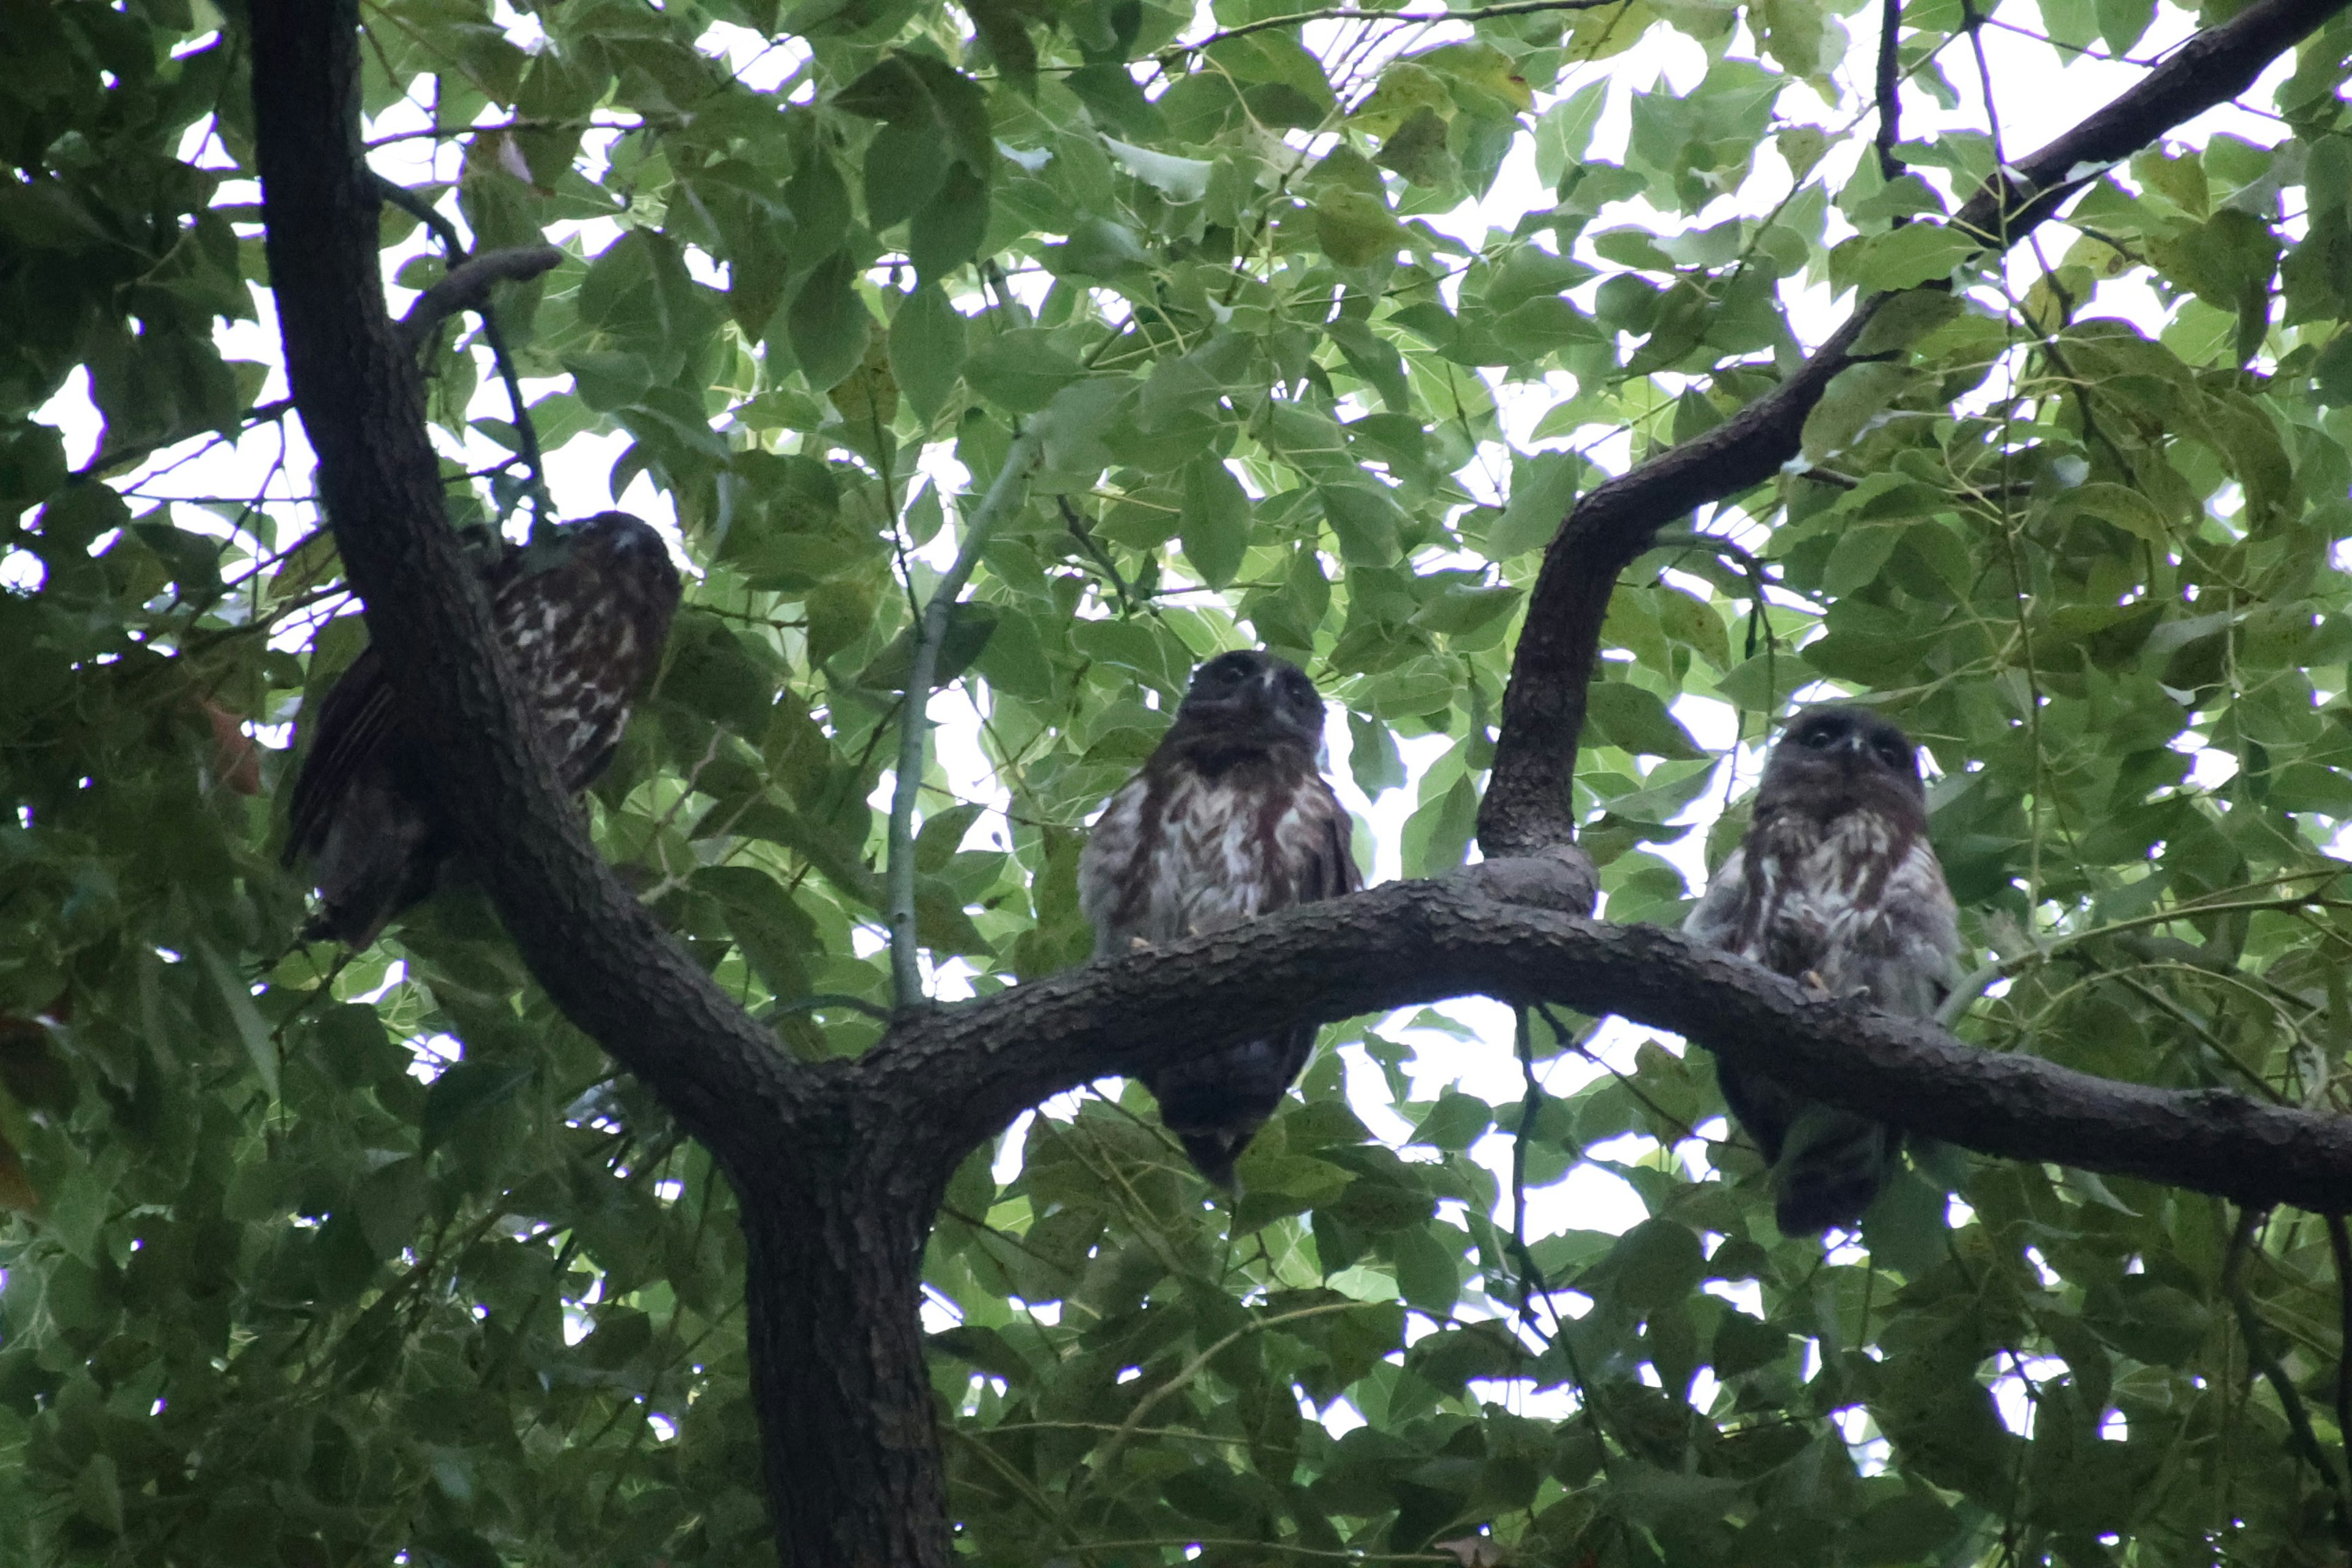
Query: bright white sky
[[2035, 97]]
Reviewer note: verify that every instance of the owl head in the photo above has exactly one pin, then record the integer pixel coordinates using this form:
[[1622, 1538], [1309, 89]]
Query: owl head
[[626, 543], [1253, 690], [1839, 756]]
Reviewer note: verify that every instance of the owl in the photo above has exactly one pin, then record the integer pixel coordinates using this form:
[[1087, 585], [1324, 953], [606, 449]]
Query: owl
[[1230, 817], [1834, 882], [583, 615]]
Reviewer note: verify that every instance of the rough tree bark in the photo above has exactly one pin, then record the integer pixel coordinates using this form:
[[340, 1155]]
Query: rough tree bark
[[839, 1167]]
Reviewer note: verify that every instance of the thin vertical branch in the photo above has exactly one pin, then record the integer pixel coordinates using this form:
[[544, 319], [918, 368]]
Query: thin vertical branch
[[2266, 1362], [1004, 494], [2340, 1244], [1890, 83], [1532, 1282]]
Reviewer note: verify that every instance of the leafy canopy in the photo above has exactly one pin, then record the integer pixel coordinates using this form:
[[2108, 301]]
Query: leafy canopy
[[319, 1261]]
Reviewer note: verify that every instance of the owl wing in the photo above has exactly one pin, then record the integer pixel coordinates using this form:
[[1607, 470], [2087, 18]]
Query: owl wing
[[1116, 872], [348, 738], [371, 848], [1326, 861], [1908, 941], [1717, 918]]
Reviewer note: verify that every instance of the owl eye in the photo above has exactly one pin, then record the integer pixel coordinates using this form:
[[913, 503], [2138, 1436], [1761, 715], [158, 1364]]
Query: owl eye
[[1814, 740], [1894, 753]]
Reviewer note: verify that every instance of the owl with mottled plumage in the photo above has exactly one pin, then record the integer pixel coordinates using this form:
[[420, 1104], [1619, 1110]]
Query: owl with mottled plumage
[[1230, 818], [583, 615], [1834, 882]]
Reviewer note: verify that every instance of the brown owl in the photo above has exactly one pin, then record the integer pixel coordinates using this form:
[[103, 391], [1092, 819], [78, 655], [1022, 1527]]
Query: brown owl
[[1835, 881], [583, 615], [1230, 818]]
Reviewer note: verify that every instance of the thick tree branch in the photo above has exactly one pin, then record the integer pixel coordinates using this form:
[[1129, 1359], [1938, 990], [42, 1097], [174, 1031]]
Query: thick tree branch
[[966, 1069], [1529, 803], [602, 957]]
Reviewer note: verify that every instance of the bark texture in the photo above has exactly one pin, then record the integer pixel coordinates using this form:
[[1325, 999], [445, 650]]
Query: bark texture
[[849, 1425]]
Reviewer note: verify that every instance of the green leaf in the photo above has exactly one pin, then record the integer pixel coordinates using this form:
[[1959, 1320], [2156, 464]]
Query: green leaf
[[465, 1091], [1181, 180], [1856, 395], [1371, 526], [98, 1493], [947, 231], [1653, 1266], [829, 322], [1355, 228], [1543, 487], [237, 1001], [1620, 713], [1216, 521], [1020, 369], [927, 349], [1908, 257]]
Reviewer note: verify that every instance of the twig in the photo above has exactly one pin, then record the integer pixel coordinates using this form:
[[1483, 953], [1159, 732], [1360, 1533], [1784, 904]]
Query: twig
[[1075, 521], [1107, 1464], [1351, 14], [1532, 1282], [1004, 493], [119, 457], [1574, 1042], [520, 122], [1979, 981], [2266, 1362], [815, 1000], [2340, 1244], [467, 286]]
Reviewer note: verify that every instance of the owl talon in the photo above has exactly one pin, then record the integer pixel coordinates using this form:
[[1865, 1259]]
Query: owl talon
[[1814, 982], [1136, 944]]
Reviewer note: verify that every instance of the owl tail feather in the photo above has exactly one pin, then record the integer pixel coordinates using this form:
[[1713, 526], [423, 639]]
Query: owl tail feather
[[1217, 1102], [1831, 1170], [1213, 1153]]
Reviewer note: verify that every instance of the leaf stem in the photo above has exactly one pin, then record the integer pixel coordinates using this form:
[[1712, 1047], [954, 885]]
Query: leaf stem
[[1004, 493]]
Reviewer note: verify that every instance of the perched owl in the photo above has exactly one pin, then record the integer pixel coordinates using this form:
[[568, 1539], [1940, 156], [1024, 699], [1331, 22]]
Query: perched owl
[[1230, 818], [1835, 881], [582, 616]]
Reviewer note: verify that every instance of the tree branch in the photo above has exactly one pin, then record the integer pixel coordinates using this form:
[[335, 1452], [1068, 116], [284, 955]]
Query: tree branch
[[1351, 14], [467, 286], [1004, 495], [1890, 86], [602, 957], [1527, 802], [965, 1069]]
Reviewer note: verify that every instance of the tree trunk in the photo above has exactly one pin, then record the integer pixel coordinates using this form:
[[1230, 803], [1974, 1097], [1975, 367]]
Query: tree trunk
[[849, 1424]]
